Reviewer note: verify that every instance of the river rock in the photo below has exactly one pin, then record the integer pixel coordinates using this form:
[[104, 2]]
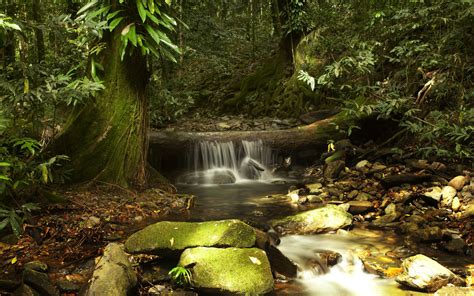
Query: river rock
[[113, 274], [314, 187], [448, 193], [456, 204], [434, 193], [382, 265], [25, 290], [40, 282], [360, 207], [165, 237], [324, 219], [230, 270], [363, 166], [457, 182], [423, 273], [333, 169], [36, 266]]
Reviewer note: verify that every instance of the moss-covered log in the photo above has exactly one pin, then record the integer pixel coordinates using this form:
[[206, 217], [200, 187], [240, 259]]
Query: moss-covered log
[[106, 138], [314, 135]]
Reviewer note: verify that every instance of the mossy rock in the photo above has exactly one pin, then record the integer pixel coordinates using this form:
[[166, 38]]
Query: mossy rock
[[320, 220], [229, 271], [166, 237]]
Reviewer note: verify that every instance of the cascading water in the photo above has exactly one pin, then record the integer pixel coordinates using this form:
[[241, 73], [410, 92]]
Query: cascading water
[[229, 162]]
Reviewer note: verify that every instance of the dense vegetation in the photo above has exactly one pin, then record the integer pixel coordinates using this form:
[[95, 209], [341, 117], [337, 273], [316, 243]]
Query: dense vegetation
[[81, 81]]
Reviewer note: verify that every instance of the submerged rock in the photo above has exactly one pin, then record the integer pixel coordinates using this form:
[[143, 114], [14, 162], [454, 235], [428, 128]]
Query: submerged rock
[[165, 237], [324, 219], [230, 270], [423, 273], [113, 274]]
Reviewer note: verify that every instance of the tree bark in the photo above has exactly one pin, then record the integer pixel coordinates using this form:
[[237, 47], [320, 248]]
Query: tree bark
[[106, 138], [36, 15]]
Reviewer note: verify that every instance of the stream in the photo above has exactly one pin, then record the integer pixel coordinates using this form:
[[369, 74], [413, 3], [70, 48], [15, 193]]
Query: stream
[[233, 181]]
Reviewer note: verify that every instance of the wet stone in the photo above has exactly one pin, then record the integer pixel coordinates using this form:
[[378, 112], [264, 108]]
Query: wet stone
[[39, 281], [36, 266], [457, 182]]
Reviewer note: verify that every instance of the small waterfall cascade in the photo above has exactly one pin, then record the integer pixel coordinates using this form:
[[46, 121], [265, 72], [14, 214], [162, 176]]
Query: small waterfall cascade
[[214, 162]]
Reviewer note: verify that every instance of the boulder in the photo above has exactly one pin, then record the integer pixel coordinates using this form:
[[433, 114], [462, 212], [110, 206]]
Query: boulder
[[454, 291], [231, 270], [167, 237], [319, 220], [457, 182], [423, 273], [113, 274], [333, 169]]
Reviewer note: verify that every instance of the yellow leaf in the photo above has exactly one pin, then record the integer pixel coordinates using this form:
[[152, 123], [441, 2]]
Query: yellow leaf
[[172, 241], [331, 147], [26, 86], [14, 260]]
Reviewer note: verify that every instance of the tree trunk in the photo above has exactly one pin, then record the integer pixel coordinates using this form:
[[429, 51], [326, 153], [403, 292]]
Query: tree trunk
[[106, 138], [36, 14]]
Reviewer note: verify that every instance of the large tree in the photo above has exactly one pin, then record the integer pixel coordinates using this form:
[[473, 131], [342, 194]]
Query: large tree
[[106, 138]]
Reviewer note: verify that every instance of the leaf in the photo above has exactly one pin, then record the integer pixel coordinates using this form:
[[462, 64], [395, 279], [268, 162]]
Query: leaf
[[115, 23], [4, 223], [87, 7], [14, 224], [14, 260], [5, 164], [141, 11]]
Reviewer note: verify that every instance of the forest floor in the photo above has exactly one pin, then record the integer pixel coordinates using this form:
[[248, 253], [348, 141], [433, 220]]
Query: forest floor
[[68, 235]]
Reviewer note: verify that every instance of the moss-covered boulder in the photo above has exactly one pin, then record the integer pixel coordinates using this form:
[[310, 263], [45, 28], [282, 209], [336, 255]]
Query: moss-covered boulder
[[229, 271], [166, 237], [324, 219]]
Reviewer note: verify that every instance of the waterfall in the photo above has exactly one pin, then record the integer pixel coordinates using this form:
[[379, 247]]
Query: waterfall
[[216, 162]]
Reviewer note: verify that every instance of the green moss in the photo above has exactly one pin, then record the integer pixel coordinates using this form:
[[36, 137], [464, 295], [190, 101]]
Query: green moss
[[324, 219], [177, 236], [239, 271]]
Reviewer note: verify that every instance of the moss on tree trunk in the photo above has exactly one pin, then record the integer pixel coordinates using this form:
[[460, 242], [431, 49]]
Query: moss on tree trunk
[[106, 138]]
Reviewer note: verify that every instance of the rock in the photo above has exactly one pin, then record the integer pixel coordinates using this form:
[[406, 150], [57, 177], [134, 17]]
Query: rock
[[8, 285], [314, 187], [66, 286], [457, 182], [468, 212], [456, 204], [230, 270], [382, 266], [454, 291], [91, 222], [391, 209], [280, 263], [428, 234], [223, 125], [39, 281], [362, 196], [396, 180], [212, 177], [434, 193], [157, 290], [360, 207], [25, 290], [438, 166], [447, 195], [324, 219], [329, 258], [113, 274], [377, 167], [455, 245], [333, 169], [36, 266], [423, 273], [363, 166], [166, 237]]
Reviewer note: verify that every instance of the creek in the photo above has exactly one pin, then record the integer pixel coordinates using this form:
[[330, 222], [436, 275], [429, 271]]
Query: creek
[[234, 180]]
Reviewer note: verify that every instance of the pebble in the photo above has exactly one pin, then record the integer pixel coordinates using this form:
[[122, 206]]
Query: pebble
[[457, 182], [456, 204]]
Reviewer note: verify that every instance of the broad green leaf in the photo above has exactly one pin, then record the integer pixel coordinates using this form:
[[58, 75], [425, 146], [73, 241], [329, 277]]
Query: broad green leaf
[[132, 35], [87, 7], [15, 224], [5, 164], [141, 11], [115, 23]]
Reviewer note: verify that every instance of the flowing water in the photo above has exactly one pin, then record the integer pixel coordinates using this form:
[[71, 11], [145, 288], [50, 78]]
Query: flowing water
[[253, 198]]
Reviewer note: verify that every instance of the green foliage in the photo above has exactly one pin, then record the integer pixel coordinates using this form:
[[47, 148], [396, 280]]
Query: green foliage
[[181, 275], [166, 107], [6, 23], [15, 218], [143, 25], [24, 168]]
